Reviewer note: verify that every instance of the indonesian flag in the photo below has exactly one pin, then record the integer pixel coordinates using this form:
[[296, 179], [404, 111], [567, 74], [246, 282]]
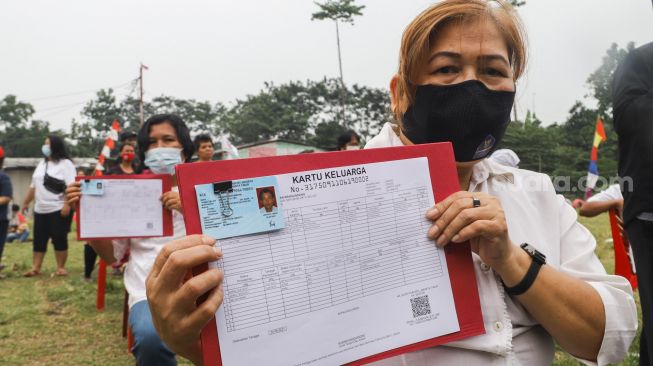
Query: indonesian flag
[[593, 171]]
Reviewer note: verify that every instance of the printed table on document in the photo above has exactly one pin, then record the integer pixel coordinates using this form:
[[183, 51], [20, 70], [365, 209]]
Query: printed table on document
[[327, 255]]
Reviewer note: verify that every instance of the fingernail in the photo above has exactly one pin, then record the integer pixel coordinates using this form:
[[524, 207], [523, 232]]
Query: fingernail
[[208, 240], [455, 238], [433, 231], [218, 251], [440, 241], [432, 212]]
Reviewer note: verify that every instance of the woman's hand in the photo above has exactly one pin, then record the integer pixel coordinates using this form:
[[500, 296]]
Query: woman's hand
[[456, 220], [172, 296], [65, 210], [171, 201], [73, 193]]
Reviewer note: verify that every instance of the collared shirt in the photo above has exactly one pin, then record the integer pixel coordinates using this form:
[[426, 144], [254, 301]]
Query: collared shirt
[[536, 215], [264, 211], [613, 192]]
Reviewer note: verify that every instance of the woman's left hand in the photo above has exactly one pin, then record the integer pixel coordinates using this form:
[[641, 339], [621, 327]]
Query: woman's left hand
[[171, 201], [456, 220], [172, 295]]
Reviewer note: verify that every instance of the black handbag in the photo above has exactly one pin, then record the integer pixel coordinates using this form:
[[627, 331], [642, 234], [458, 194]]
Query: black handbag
[[52, 184]]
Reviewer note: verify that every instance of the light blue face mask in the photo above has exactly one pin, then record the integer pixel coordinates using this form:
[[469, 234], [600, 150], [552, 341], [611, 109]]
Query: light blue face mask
[[45, 149], [162, 160]]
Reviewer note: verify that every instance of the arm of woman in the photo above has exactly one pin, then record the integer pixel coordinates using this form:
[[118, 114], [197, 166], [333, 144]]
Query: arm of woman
[[569, 308], [173, 296], [103, 248], [29, 197], [65, 210], [594, 208]]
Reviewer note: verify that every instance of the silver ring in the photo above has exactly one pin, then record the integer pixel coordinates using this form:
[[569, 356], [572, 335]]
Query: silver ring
[[476, 202]]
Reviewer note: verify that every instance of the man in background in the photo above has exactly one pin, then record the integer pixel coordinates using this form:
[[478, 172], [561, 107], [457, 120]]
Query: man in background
[[632, 97], [129, 138], [349, 141]]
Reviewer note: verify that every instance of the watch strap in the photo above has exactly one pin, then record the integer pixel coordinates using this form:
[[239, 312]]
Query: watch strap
[[527, 281]]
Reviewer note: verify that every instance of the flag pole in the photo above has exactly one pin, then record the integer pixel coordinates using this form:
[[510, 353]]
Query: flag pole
[[140, 96]]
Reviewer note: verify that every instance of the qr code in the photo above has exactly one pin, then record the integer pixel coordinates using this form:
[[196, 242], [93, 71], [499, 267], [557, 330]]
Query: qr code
[[150, 226], [421, 306]]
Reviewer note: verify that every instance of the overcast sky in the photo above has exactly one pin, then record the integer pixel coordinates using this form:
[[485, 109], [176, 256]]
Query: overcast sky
[[223, 50]]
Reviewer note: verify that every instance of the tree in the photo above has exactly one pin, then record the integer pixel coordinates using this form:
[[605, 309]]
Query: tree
[[600, 81], [102, 111], [306, 112], [280, 111], [534, 144], [21, 136], [200, 117], [14, 113], [339, 11]]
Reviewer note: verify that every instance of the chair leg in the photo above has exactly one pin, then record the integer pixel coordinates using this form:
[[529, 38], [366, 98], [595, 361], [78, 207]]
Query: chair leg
[[125, 314], [130, 339], [101, 285]]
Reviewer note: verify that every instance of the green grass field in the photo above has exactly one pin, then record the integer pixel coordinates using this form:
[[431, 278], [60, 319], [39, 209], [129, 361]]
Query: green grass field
[[53, 321]]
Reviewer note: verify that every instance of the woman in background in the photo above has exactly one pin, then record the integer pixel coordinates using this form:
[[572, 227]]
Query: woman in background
[[163, 142], [52, 215]]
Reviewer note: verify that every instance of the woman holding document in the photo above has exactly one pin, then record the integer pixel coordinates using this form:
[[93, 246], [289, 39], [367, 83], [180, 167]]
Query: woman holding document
[[164, 141], [538, 277]]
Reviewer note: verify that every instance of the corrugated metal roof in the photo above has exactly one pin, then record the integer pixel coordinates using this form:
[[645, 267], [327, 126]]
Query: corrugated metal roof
[[31, 163]]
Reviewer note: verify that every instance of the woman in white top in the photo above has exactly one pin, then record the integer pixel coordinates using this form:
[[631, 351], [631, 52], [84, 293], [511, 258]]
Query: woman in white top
[[458, 67], [52, 216], [163, 142]]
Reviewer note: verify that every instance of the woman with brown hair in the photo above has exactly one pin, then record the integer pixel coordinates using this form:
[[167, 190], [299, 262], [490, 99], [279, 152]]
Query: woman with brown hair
[[538, 277]]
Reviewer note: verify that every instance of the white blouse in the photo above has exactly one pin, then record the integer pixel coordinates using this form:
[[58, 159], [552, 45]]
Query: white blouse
[[536, 215], [142, 254]]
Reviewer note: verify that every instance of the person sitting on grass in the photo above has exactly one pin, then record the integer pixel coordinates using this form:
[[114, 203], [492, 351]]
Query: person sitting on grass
[[18, 229]]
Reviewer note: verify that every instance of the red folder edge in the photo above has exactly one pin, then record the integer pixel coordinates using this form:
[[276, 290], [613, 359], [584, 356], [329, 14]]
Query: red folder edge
[[166, 181], [443, 174]]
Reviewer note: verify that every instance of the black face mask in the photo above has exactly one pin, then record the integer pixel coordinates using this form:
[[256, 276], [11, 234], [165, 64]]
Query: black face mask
[[471, 116]]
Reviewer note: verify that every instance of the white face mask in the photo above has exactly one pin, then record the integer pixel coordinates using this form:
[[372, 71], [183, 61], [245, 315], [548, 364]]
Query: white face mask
[[354, 147], [162, 160]]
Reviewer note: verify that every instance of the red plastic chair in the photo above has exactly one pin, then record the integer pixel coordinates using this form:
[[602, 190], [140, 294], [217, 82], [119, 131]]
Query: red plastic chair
[[101, 285], [99, 304], [624, 264], [126, 329]]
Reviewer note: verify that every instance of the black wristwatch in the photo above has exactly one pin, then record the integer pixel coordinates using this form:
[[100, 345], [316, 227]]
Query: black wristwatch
[[539, 259]]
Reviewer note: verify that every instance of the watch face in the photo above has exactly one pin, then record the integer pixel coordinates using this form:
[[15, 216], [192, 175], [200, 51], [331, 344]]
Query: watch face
[[536, 254]]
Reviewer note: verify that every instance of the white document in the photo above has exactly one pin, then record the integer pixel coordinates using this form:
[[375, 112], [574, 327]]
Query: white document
[[352, 274], [128, 208]]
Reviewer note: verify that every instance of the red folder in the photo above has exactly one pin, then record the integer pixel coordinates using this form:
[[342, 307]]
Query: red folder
[[166, 182], [445, 182]]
